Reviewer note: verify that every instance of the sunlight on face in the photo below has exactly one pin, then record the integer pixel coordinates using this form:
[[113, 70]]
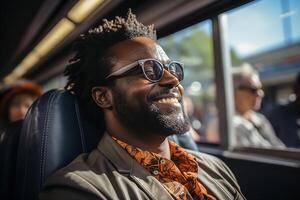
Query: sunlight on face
[[161, 54]]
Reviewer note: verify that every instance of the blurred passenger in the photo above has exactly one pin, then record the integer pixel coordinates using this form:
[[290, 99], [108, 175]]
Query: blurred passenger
[[15, 101], [212, 125], [252, 129], [190, 110], [187, 140], [129, 80], [286, 119]]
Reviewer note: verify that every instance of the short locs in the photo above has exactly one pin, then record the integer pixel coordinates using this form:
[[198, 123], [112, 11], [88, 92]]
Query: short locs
[[92, 61]]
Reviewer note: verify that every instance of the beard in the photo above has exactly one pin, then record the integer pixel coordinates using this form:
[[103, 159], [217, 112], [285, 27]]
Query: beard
[[149, 119]]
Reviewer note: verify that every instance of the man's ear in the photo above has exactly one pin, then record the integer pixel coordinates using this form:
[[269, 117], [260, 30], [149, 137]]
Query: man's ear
[[102, 97]]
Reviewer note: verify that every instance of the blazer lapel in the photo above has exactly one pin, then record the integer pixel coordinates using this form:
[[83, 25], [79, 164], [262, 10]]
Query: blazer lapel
[[209, 181], [148, 182], [126, 165]]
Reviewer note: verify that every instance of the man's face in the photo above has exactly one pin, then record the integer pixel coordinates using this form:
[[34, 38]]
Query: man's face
[[142, 106]]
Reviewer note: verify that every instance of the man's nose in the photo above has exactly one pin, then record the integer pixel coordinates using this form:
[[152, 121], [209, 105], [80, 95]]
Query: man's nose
[[168, 80], [260, 93]]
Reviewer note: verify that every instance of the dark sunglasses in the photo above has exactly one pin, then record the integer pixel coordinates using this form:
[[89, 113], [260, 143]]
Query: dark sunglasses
[[153, 69], [253, 90]]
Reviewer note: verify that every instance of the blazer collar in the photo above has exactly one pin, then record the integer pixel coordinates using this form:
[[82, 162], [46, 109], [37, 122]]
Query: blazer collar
[[125, 164]]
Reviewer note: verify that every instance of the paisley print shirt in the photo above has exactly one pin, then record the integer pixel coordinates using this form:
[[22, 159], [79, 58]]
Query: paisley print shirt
[[178, 175]]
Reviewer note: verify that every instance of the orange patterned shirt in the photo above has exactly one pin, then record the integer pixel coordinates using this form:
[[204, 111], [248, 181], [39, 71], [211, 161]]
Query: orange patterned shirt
[[178, 175]]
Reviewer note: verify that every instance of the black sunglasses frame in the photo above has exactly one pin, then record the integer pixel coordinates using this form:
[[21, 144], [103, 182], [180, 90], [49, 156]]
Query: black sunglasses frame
[[140, 63]]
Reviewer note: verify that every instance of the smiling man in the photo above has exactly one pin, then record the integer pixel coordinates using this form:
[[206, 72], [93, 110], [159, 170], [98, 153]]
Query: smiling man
[[129, 84]]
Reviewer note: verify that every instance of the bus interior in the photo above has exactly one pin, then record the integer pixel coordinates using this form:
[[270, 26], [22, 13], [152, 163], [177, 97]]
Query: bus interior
[[211, 37]]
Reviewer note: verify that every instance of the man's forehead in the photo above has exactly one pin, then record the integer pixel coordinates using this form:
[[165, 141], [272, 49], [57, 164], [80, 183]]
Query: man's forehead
[[139, 48]]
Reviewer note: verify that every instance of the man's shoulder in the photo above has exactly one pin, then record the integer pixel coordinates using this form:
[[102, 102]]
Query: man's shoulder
[[86, 177], [212, 165], [217, 175], [80, 177], [209, 160], [72, 173]]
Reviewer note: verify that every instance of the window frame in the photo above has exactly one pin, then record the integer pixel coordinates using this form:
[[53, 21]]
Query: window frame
[[224, 94]]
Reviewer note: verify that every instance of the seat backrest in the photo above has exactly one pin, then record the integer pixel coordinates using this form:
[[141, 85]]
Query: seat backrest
[[55, 131], [9, 140]]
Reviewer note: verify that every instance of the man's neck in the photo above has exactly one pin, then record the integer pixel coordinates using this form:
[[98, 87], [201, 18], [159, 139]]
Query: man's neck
[[158, 145], [147, 142]]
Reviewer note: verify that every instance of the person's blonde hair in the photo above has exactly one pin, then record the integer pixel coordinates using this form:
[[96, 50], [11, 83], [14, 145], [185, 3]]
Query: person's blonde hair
[[243, 73]]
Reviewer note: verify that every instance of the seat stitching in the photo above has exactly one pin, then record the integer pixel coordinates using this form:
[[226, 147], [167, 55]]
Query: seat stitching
[[81, 133], [44, 132], [25, 160], [45, 135]]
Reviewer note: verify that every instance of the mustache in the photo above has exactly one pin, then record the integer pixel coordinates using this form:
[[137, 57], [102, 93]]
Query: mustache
[[165, 91]]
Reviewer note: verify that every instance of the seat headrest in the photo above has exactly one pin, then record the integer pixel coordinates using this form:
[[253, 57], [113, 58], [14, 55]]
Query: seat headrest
[[55, 131]]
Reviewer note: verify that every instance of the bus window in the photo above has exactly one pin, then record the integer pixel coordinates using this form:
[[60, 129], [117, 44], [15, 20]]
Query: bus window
[[56, 82], [193, 47], [265, 38]]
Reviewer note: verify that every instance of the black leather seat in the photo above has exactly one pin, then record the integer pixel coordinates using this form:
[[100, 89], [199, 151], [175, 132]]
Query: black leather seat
[[55, 131], [9, 142]]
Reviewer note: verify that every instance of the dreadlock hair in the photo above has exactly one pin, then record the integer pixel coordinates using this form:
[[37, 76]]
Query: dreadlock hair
[[92, 61]]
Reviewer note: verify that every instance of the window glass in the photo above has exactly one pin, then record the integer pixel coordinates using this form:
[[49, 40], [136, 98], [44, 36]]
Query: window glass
[[54, 83], [193, 47], [294, 14], [265, 38]]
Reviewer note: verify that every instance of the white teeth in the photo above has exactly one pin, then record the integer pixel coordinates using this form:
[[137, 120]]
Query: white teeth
[[168, 100]]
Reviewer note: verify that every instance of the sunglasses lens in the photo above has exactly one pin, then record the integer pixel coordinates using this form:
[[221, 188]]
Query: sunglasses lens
[[177, 70], [153, 70], [253, 90]]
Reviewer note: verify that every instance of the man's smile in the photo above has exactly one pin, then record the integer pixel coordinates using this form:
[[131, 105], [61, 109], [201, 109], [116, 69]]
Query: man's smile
[[168, 100], [171, 99]]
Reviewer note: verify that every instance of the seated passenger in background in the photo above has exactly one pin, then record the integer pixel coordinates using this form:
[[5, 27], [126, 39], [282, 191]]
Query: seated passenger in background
[[121, 73], [252, 129], [286, 119], [14, 103], [16, 99], [187, 140]]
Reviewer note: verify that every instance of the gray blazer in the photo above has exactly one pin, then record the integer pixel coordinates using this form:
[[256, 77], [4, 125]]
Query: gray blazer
[[109, 172]]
